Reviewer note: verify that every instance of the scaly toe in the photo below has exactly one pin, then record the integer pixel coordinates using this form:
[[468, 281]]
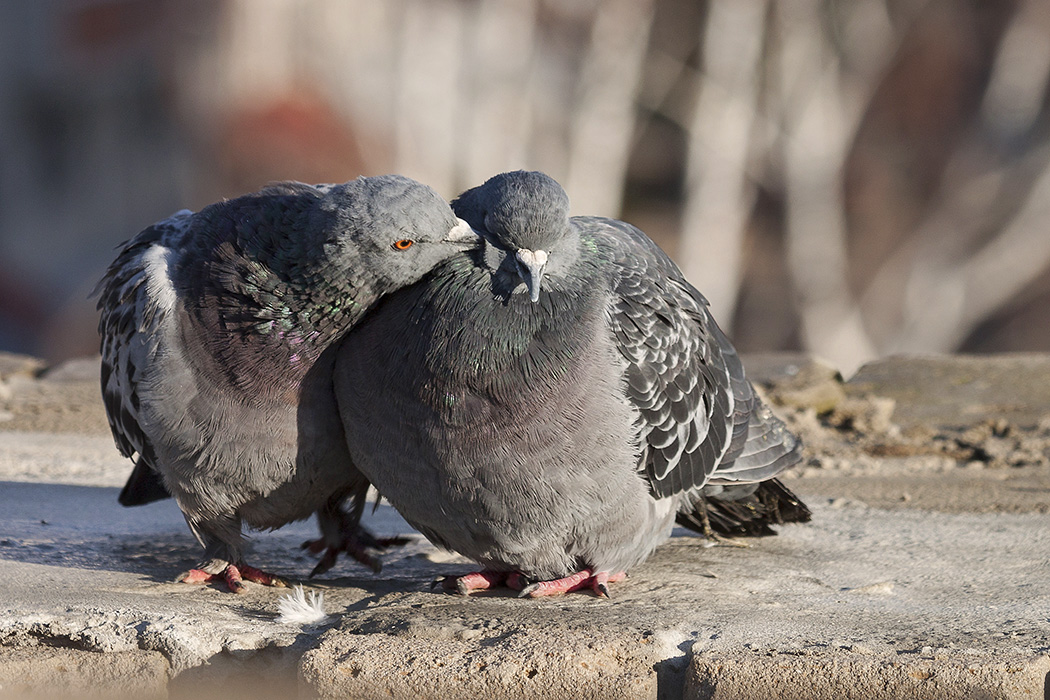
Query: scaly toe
[[361, 555], [357, 546], [326, 563], [601, 580], [233, 579], [196, 576], [250, 573], [568, 584], [469, 583]]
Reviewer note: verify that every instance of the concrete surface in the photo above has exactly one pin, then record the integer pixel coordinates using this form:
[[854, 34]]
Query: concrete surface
[[849, 675], [924, 574]]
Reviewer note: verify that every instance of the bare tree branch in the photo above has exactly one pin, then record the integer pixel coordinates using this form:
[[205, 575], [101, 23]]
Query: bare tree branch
[[719, 195], [502, 55], [604, 110], [820, 120], [427, 82], [952, 282], [946, 297]]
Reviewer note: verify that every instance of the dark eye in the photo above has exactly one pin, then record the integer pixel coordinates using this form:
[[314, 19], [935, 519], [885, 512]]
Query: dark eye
[[403, 244]]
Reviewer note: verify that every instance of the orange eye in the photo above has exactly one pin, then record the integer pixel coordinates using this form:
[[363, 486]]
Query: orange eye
[[403, 244]]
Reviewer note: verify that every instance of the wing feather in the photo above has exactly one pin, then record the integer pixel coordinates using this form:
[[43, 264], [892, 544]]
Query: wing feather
[[675, 375], [135, 298], [700, 420]]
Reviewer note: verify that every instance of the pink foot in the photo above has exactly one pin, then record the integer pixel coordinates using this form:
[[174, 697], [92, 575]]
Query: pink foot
[[234, 576], [602, 579], [197, 576], [250, 573], [469, 583], [485, 580], [598, 582]]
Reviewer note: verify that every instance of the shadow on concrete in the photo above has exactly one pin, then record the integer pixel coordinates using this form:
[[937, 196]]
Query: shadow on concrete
[[83, 527]]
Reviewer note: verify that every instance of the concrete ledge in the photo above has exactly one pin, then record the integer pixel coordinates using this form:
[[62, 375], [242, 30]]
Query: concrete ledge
[[522, 665], [55, 672], [846, 675], [924, 572], [959, 390]]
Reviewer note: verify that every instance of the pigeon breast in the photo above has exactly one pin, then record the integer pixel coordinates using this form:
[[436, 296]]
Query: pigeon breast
[[492, 422]]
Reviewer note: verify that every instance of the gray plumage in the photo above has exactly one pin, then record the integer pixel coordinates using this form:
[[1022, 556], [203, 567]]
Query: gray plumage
[[218, 332], [553, 401]]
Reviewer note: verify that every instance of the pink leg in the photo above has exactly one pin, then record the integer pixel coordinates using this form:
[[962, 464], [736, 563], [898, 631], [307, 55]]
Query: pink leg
[[476, 581], [250, 573], [234, 577], [586, 578], [485, 580], [573, 582], [197, 576]]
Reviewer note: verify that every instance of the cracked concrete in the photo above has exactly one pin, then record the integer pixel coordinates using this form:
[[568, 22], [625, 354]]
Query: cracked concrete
[[925, 571]]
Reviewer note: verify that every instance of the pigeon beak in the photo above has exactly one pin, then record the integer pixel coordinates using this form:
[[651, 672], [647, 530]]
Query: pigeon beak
[[530, 268], [461, 233]]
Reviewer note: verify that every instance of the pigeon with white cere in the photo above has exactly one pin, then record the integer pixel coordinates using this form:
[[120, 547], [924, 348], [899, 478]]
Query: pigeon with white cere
[[219, 330], [551, 403]]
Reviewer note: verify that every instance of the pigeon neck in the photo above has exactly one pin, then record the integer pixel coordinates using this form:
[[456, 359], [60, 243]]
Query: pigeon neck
[[266, 353]]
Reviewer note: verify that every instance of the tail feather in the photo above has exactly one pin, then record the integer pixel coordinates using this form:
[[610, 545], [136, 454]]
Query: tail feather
[[745, 510], [143, 486]]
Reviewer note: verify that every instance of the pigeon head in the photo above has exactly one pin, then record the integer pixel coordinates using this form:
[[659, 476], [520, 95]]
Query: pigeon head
[[524, 218], [390, 230], [284, 272]]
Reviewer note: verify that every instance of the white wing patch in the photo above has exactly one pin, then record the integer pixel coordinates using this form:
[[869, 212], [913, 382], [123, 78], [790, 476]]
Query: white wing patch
[[160, 294], [135, 297]]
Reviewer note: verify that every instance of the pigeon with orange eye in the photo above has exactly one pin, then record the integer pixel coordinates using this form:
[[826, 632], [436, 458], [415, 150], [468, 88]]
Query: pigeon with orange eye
[[215, 375]]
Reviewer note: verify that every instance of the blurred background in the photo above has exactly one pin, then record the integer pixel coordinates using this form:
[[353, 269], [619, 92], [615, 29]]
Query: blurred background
[[848, 177]]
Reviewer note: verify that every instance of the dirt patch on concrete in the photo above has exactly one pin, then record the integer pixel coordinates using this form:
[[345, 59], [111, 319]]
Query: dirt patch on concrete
[[866, 441]]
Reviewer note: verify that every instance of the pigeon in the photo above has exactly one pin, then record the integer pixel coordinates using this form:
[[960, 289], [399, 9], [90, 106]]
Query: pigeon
[[219, 330], [552, 402]]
